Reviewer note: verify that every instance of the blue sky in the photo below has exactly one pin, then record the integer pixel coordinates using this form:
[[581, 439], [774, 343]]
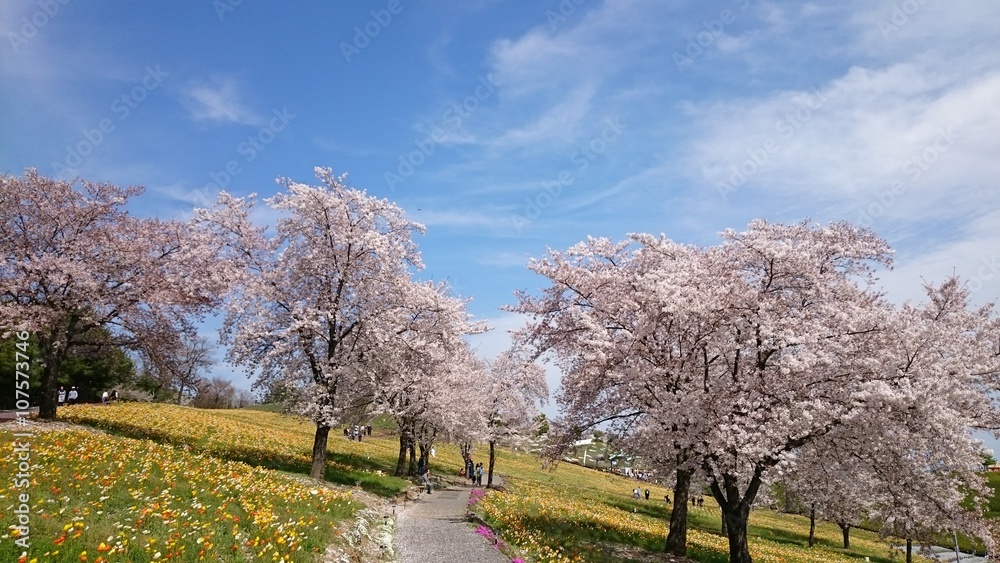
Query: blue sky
[[508, 127]]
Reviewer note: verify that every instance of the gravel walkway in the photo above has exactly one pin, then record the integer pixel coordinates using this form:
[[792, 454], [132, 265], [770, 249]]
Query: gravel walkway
[[433, 529]]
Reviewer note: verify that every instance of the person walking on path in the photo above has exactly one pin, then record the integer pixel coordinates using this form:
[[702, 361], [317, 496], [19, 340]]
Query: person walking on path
[[73, 395], [427, 480]]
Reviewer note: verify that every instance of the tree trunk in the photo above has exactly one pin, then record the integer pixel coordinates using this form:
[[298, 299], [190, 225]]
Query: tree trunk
[[846, 530], [318, 470], [909, 550], [736, 512], [401, 460], [47, 404], [425, 457], [736, 530], [677, 536], [412, 469], [51, 358], [812, 524], [180, 394], [725, 530], [489, 477]]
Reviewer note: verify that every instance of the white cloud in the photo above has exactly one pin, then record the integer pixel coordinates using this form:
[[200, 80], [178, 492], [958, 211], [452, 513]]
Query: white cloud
[[459, 218], [558, 122], [928, 125], [901, 29], [219, 100], [504, 259], [972, 252]]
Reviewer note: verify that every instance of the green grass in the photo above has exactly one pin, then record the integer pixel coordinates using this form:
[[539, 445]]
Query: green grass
[[570, 512], [993, 507]]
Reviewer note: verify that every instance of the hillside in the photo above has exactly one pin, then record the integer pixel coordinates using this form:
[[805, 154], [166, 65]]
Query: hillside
[[189, 483]]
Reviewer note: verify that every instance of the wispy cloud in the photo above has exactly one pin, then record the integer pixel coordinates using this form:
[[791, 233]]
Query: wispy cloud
[[970, 250], [920, 125], [219, 100], [454, 218], [504, 259], [557, 122]]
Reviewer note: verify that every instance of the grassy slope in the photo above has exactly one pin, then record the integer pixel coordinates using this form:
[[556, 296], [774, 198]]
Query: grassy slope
[[563, 513], [105, 498], [544, 512]]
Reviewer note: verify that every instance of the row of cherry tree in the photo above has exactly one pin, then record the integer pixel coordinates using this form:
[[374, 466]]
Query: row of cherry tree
[[770, 358], [323, 304], [328, 306]]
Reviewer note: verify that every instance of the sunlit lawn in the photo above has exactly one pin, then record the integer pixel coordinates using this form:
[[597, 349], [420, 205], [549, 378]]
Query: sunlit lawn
[[100, 498], [566, 514], [260, 438], [202, 488]]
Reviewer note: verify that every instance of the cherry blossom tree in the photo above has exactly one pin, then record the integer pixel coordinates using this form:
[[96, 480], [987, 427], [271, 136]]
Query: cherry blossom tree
[[422, 370], [513, 389], [795, 351], [75, 260], [626, 357], [452, 406], [320, 295], [947, 356], [831, 480], [732, 358]]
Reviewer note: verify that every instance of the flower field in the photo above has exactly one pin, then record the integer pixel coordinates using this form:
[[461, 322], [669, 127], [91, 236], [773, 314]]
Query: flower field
[[255, 437], [569, 513], [182, 484], [98, 498]]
